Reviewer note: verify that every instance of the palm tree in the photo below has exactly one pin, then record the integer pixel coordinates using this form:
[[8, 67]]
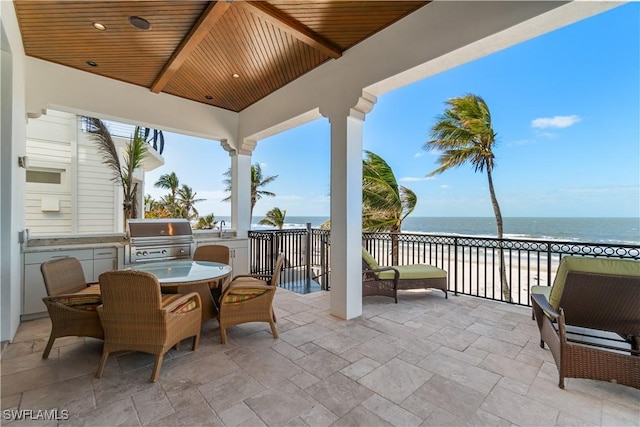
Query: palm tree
[[464, 134], [207, 222], [385, 204], [170, 181], [275, 217], [132, 158], [185, 201], [257, 181]]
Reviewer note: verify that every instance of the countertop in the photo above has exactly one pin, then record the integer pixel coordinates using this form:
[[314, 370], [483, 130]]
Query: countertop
[[64, 243]]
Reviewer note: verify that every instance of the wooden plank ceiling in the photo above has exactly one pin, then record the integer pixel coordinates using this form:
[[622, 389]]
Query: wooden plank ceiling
[[226, 54]]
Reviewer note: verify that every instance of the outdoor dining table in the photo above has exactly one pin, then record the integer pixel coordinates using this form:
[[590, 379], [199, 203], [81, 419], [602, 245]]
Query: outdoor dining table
[[184, 276]]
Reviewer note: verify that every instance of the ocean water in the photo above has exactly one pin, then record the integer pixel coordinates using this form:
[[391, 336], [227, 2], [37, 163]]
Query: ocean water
[[593, 230]]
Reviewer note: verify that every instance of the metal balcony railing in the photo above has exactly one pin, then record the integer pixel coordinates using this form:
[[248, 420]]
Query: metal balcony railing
[[473, 264], [306, 256]]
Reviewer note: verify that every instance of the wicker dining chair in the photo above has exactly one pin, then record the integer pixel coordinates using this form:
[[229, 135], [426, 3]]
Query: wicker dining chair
[[213, 253], [71, 301], [137, 317], [249, 298]]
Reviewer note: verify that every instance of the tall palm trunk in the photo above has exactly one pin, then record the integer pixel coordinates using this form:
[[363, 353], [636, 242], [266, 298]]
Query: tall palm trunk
[[395, 245], [506, 291]]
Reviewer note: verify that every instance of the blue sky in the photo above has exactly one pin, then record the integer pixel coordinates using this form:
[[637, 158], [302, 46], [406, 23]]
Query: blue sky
[[565, 106]]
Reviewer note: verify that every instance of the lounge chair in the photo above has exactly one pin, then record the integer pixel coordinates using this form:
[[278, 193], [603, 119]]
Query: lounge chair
[[386, 281], [591, 320]]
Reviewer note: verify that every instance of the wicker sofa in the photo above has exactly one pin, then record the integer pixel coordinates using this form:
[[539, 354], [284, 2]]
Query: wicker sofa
[[591, 320], [386, 281]]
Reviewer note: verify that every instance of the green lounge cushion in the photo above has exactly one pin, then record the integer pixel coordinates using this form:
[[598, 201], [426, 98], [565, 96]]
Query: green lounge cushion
[[415, 271], [371, 262], [618, 267]]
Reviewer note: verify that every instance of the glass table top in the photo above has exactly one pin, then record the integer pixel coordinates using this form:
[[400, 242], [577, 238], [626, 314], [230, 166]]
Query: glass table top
[[181, 271]]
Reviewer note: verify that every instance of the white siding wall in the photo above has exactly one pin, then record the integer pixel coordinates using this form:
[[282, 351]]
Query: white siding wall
[[87, 196], [97, 193], [49, 146]]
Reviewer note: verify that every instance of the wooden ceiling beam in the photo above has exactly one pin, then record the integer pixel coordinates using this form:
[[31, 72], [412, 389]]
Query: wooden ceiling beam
[[284, 22], [205, 23]]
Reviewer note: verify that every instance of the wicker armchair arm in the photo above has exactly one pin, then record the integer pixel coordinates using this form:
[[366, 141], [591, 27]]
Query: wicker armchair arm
[[541, 301], [185, 298], [378, 270]]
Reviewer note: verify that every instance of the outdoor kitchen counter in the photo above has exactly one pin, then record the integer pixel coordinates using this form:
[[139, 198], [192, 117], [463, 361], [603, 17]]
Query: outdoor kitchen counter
[[70, 246]]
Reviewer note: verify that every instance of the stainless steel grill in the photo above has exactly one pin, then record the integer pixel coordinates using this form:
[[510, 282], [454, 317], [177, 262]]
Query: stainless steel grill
[[158, 240]]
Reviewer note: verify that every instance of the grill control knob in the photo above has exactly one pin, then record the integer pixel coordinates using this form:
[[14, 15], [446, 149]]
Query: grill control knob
[[164, 251], [145, 253], [181, 251], [138, 253]]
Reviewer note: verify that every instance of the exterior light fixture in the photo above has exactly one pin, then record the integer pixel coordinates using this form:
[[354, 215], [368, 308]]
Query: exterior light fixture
[[139, 23], [98, 26], [209, 97], [92, 64], [235, 75]]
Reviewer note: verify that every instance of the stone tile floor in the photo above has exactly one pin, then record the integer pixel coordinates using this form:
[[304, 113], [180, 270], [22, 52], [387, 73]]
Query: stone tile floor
[[424, 361]]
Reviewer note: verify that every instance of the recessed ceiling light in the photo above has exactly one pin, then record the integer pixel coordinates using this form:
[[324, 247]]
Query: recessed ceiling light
[[98, 26], [209, 97], [139, 23], [92, 64], [235, 75]]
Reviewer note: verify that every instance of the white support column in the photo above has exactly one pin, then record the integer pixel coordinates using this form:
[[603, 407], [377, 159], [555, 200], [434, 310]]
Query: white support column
[[13, 137], [346, 208], [240, 186]]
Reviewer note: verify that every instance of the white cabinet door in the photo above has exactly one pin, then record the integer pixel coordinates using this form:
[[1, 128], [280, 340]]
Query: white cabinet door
[[239, 255], [105, 259], [34, 289]]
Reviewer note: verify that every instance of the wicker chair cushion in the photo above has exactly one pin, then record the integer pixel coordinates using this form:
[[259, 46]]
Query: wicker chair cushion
[[239, 295], [86, 299], [616, 267], [371, 262], [415, 271], [183, 308]]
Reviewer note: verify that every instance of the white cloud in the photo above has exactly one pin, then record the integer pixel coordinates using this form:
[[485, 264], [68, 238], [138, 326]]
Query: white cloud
[[555, 121], [419, 154], [445, 186], [415, 179]]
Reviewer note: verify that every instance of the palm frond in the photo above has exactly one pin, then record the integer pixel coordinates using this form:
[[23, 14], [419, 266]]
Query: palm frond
[[100, 135], [409, 201]]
